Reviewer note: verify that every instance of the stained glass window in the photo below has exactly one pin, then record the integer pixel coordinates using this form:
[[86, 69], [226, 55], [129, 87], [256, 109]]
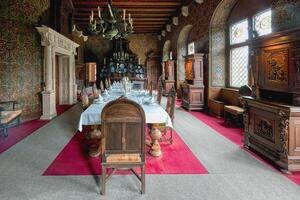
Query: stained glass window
[[263, 23], [239, 32], [239, 61]]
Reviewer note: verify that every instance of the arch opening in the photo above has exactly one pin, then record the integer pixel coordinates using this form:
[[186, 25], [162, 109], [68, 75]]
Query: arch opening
[[182, 52]]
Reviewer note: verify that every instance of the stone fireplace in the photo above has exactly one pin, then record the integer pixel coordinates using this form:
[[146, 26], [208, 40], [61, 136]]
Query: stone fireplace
[[58, 50]]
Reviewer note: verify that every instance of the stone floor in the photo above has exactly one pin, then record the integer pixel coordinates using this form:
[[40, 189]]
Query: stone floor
[[233, 173]]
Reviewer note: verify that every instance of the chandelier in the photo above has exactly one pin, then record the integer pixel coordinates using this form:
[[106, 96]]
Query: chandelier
[[110, 24]]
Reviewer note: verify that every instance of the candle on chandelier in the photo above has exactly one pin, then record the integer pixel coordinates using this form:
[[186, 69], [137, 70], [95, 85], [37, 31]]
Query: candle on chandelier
[[91, 20], [92, 15], [110, 11], [99, 12], [124, 14]]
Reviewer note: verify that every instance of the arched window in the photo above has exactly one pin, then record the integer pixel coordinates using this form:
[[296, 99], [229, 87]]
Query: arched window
[[182, 44], [243, 27]]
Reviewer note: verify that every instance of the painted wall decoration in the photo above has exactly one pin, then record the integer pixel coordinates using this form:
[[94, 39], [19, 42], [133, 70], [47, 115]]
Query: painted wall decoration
[[286, 14], [21, 54], [141, 44]]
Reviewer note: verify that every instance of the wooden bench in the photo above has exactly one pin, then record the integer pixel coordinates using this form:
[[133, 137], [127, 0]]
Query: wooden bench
[[225, 97], [9, 115], [235, 112]]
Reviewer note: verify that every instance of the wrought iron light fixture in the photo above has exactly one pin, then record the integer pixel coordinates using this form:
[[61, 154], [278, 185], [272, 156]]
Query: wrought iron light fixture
[[110, 24]]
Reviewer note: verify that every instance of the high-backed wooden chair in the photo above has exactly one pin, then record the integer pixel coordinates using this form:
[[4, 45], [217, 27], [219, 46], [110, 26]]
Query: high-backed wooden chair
[[123, 142], [95, 91], [85, 102], [159, 91], [170, 109], [150, 87], [101, 86]]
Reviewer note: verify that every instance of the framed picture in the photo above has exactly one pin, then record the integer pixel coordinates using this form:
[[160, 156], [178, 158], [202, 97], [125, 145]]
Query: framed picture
[[191, 48]]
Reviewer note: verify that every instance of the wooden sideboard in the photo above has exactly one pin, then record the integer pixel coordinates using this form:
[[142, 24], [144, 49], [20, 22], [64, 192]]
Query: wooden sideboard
[[273, 129], [193, 88], [192, 97]]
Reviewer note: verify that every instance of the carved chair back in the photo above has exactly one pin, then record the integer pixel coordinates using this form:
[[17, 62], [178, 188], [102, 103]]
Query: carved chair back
[[101, 86], [84, 99], [150, 87], [159, 90], [123, 129], [95, 91], [170, 108]]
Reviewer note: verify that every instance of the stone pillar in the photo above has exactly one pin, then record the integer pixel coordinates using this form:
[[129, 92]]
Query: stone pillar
[[48, 96], [72, 83]]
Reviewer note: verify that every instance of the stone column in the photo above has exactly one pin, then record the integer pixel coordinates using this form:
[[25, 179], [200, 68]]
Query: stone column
[[48, 96], [73, 85]]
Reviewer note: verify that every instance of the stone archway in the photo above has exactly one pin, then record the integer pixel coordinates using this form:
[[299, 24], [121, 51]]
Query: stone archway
[[166, 50], [182, 51], [56, 44], [217, 43]]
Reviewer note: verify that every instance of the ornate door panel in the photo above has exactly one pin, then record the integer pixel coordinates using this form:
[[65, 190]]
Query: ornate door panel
[[275, 64], [294, 139]]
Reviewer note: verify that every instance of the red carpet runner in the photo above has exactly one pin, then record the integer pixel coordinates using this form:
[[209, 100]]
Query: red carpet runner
[[235, 135], [16, 134], [176, 159]]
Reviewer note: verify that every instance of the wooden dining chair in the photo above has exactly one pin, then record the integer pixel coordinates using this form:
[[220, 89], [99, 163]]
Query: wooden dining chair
[[159, 92], [101, 86], [123, 139], [170, 109], [95, 91], [85, 102], [150, 88]]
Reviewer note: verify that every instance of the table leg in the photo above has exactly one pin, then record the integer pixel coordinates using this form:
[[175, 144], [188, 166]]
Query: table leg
[[94, 140], [155, 146]]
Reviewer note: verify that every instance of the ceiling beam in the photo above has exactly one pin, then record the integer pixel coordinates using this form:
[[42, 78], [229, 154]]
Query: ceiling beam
[[127, 3], [144, 9]]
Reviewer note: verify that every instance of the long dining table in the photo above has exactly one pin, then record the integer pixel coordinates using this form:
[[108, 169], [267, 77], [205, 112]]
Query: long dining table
[[154, 113]]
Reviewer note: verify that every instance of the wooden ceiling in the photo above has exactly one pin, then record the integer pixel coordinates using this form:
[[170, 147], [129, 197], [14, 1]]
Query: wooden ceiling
[[149, 16]]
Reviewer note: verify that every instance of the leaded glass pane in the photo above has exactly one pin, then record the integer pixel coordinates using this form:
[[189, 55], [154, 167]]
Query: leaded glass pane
[[239, 61], [239, 32], [263, 23]]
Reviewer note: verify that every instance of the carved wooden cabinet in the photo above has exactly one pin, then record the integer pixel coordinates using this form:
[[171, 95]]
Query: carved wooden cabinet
[[193, 88], [169, 76], [272, 118], [192, 97], [273, 129]]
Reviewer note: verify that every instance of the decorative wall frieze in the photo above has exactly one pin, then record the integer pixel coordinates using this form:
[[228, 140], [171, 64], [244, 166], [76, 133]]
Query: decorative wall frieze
[[185, 11], [52, 38], [199, 1], [163, 33], [175, 21], [168, 27]]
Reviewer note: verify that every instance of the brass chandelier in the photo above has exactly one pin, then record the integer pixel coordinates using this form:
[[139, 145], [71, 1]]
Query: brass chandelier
[[110, 24]]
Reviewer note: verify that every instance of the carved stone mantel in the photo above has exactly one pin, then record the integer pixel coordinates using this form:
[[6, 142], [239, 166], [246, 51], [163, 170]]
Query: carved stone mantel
[[54, 44]]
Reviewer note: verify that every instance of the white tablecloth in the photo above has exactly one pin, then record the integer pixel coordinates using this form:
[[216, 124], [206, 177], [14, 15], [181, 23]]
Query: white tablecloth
[[154, 114]]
